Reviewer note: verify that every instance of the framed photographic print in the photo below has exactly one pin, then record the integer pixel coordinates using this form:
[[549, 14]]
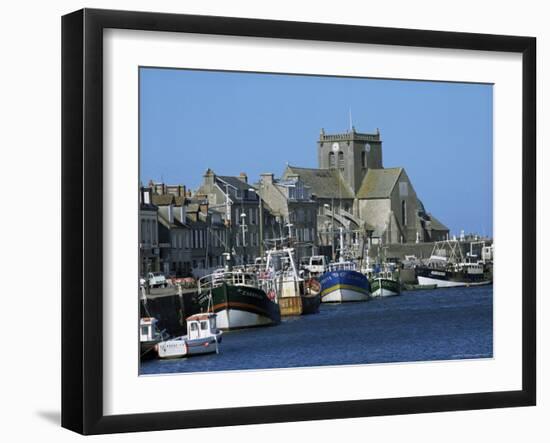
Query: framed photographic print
[[269, 221]]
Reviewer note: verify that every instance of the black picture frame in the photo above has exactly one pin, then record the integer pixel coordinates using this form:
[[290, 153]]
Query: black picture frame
[[82, 156]]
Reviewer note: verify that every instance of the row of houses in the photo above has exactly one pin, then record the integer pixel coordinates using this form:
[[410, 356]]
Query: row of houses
[[184, 232]]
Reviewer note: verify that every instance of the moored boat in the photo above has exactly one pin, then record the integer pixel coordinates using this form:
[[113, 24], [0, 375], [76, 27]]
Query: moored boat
[[448, 268], [238, 300], [383, 280], [342, 282], [462, 274], [295, 295], [149, 336], [384, 287], [203, 337]]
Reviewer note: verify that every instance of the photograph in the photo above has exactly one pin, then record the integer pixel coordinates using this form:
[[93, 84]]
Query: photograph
[[294, 221]]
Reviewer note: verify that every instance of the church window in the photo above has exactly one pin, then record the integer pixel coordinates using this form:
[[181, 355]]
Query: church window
[[363, 159], [331, 160], [404, 213], [341, 160], [403, 189]]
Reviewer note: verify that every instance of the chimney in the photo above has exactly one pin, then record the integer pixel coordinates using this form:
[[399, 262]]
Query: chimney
[[146, 196], [267, 178], [209, 177], [170, 213], [244, 177]]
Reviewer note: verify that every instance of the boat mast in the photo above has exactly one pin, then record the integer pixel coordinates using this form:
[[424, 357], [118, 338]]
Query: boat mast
[[229, 242], [341, 259]]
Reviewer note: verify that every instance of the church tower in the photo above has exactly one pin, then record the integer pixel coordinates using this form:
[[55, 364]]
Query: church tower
[[352, 153]]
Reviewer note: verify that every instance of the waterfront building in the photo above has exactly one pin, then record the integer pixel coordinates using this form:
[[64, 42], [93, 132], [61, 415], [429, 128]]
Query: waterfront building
[[238, 204], [355, 191], [174, 235], [291, 200], [149, 256]]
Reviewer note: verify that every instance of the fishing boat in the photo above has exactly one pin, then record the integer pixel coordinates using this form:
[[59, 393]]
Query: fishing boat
[[295, 295], [447, 268], [238, 299], [203, 337], [384, 286], [383, 278], [149, 336], [342, 282]]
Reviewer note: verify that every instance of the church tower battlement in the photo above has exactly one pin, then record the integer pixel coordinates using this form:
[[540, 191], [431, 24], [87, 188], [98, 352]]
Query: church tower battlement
[[352, 153]]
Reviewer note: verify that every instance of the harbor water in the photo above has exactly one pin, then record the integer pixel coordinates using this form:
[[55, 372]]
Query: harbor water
[[426, 325]]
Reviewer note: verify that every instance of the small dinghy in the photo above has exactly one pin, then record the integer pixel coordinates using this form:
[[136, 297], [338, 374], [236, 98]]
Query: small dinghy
[[203, 337]]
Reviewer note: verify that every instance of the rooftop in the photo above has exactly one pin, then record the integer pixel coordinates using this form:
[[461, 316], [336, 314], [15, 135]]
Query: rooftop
[[324, 183], [379, 183]]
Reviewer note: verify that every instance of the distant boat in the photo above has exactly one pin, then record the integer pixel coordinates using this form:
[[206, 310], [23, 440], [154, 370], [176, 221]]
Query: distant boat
[[447, 268], [238, 300], [342, 282], [203, 337], [383, 280]]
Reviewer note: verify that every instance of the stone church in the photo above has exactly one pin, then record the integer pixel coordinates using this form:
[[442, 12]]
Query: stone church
[[354, 190]]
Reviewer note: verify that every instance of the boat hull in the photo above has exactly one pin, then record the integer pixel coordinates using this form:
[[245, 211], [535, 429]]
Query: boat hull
[[147, 349], [310, 304], [240, 307], [384, 287], [184, 347], [450, 279], [344, 286]]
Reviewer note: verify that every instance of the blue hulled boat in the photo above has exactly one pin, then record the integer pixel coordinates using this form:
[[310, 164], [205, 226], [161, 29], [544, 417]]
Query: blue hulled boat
[[342, 282]]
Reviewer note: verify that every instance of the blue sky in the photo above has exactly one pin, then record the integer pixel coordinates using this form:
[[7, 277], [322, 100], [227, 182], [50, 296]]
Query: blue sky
[[441, 133]]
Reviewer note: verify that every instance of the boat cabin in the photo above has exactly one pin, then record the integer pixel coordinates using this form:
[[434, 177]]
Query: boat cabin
[[201, 326], [148, 330], [317, 264], [342, 266]]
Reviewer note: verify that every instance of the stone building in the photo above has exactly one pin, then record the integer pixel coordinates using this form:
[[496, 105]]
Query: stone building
[[238, 204], [192, 237], [290, 200], [149, 255], [354, 190]]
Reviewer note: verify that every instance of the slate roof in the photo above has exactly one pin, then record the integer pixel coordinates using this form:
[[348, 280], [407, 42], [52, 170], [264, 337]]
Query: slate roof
[[162, 200], [379, 183], [324, 183], [234, 181], [436, 225]]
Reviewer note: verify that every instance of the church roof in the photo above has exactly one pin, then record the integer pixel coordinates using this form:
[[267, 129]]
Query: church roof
[[436, 225], [379, 183], [324, 183]]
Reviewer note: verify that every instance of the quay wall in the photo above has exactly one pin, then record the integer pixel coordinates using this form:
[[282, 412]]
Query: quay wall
[[171, 310]]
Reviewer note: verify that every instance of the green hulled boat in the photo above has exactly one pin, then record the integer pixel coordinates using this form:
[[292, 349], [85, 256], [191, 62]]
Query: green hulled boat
[[238, 300], [384, 287]]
